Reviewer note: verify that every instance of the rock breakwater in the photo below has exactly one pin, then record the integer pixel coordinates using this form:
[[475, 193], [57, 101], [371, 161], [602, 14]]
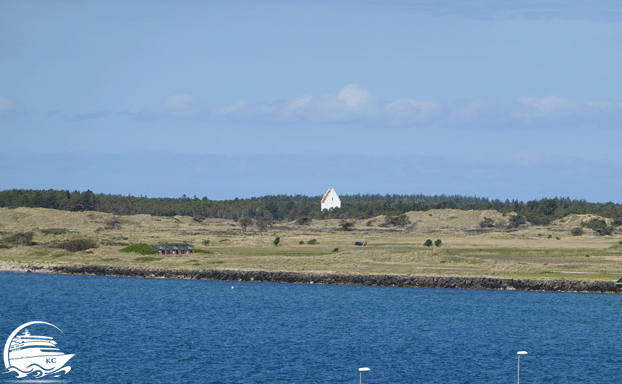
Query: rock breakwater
[[340, 278]]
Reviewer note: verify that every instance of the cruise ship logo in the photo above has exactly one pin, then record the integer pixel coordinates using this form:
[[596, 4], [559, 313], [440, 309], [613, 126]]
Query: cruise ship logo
[[28, 355]]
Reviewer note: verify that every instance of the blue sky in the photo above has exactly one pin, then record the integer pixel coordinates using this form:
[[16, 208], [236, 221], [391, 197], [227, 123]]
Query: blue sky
[[500, 99]]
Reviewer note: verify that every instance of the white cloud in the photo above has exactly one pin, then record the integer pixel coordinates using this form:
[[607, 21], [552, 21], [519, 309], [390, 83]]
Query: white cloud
[[356, 97], [6, 105], [239, 105], [531, 111], [351, 103], [549, 106]]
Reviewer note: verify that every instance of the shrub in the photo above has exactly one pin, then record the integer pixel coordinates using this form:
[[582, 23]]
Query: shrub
[[4, 246], [336, 250], [346, 225], [21, 238], [301, 242], [577, 231], [54, 231], [395, 221], [277, 240], [205, 242], [539, 220], [599, 226], [303, 221], [246, 222], [77, 245], [428, 243], [312, 242], [262, 225], [487, 223], [515, 221], [140, 248], [113, 223], [438, 242], [198, 218]]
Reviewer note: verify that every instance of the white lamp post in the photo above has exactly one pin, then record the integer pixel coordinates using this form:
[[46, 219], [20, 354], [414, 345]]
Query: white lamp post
[[520, 353], [361, 370]]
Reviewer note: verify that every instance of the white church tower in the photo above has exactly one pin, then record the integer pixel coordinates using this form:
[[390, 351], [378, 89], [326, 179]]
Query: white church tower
[[330, 200]]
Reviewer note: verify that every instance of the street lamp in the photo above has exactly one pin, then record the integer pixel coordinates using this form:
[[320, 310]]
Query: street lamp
[[361, 370], [520, 353]]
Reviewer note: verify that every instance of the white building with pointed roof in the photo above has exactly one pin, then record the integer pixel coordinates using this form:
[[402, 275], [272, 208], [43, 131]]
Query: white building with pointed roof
[[330, 200]]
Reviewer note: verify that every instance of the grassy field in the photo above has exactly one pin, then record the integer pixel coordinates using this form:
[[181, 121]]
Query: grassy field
[[466, 249]]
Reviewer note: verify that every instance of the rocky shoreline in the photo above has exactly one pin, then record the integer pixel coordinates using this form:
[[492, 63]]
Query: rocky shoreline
[[330, 278]]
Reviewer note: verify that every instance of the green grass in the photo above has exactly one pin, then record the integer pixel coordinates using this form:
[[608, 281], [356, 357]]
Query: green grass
[[140, 248], [534, 253], [272, 251], [146, 259], [76, 245], [54, 231]]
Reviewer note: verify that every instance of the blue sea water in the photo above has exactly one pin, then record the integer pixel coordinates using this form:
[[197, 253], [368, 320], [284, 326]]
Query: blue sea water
[[132, 330]]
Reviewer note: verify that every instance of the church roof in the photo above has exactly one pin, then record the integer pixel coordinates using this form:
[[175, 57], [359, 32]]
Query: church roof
[[326, 194]]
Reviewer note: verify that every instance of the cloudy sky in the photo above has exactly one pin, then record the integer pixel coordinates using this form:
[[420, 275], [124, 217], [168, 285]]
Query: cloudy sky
[[501, 99]]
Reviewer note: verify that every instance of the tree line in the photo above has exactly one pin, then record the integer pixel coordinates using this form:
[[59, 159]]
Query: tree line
[[288, 207]]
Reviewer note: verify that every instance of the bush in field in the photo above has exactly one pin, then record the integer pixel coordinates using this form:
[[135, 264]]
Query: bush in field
[[246, 222], [312, 241], [428, 243], [113, 223], [303, 221], [577, 231], [262, 225], [515, 221], [77, 245], [277, 240], [487, 223], [599, 226], [205, 242], [346, 225], [21, 238], [140, 248], [198, 218], [438, 242], [54, 231], [396, 221]]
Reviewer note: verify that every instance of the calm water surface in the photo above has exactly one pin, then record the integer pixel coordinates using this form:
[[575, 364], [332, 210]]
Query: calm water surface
[[130, 330]]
